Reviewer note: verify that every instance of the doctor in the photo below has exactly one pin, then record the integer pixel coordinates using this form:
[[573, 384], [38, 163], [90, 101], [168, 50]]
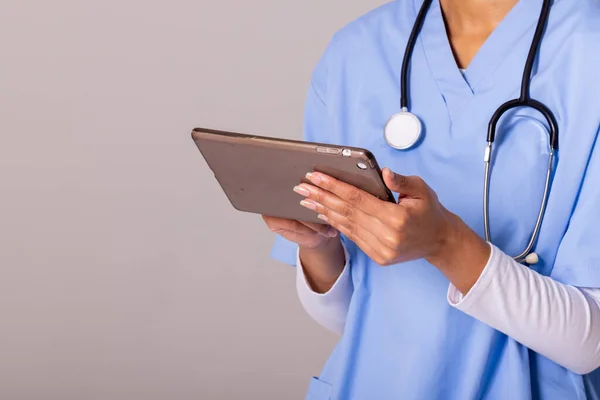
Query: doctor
[[426, 295]]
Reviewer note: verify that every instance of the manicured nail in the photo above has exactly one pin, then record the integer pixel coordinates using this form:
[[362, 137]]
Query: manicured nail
[[311, 205], [314, 178], [301, 191], [323, 217]]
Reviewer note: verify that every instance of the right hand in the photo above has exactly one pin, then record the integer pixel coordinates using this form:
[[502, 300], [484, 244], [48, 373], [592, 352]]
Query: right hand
[[305, 234]]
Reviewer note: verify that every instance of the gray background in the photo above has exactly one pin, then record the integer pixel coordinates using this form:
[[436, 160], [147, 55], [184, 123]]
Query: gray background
[[124, 272]]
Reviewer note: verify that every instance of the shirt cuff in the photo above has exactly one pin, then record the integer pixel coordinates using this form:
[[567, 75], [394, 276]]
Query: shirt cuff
[[331, 308], [461, 302]]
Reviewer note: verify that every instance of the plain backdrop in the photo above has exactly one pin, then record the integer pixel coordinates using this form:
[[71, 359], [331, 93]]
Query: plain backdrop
[[124, 272]]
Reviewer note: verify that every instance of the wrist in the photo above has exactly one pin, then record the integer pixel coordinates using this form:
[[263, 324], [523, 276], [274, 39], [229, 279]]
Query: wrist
[[461, 254], [330, 248], [448, 238], [325, 244], [323, 265]]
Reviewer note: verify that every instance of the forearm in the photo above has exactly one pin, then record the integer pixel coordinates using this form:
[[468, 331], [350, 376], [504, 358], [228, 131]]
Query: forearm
[[329, 309], [555, 320], [322, 266]]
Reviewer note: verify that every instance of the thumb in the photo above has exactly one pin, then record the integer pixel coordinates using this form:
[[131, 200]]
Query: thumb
[[411, 186]]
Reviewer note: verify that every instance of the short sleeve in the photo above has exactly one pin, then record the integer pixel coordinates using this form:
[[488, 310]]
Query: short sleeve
[[284, 251], [578, 258], [317, 123]]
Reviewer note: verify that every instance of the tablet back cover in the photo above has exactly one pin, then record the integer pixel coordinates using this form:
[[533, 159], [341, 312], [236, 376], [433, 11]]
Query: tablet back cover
[[258, 173]]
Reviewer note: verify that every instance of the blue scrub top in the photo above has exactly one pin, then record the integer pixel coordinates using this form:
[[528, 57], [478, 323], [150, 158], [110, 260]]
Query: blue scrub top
[[402, 339]]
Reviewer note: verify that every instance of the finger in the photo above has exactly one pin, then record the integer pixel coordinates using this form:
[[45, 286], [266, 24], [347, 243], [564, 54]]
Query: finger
[[279, 225], [411, 186], [364, 240], [321, 229], [317, 198], [323, 202], [350, 194], [304, 240]]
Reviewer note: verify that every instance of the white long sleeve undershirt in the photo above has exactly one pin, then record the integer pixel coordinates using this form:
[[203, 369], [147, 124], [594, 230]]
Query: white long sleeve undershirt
[[560, 322]]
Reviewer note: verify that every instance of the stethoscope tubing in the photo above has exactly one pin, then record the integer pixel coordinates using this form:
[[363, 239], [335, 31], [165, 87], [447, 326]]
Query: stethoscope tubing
[[524, 100], [542, 210]]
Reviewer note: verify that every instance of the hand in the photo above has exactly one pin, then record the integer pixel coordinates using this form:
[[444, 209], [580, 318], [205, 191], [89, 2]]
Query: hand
[[320, 246], [417, 227], [305, 234]]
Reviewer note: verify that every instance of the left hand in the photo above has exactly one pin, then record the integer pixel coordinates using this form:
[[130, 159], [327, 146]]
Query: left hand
[[417, 227]]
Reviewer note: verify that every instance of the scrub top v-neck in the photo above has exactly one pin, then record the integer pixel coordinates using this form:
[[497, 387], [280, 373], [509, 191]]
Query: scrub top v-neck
[[402, 340], [485, 69]]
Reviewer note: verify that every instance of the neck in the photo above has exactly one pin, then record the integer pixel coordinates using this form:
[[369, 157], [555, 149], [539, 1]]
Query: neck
[[470, 22], [474, 16]]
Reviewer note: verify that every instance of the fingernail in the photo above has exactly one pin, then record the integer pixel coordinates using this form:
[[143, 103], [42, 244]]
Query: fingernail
[[301, 190], [389, 172], [314, 178], [311, 205], [323, 217], [332, 233]]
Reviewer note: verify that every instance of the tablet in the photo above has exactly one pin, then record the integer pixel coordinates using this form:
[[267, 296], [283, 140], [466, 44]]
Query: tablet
[[258, 173]]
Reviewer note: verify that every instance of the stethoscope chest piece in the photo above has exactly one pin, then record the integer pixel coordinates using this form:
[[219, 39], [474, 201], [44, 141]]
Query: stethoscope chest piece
[[403, 130]]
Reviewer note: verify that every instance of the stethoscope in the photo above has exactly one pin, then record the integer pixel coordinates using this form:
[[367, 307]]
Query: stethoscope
[[403, 130]]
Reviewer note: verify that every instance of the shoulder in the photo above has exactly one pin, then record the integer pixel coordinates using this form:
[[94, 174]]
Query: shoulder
[[369, 23], [364, 30], [355, 43], [363, 38]]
